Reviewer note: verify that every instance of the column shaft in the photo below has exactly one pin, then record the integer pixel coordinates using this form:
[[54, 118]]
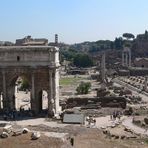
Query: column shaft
[[33, 102], [126, 59], [56, 91], [50, 96], [123, 59], [32, 89], [129, 58], [4, 90]]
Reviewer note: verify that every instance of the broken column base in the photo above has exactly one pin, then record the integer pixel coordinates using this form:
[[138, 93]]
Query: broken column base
[[58, 113], [55, 114]]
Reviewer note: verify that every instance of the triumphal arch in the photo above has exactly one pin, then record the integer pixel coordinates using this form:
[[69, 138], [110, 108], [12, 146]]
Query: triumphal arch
[[39, 65]]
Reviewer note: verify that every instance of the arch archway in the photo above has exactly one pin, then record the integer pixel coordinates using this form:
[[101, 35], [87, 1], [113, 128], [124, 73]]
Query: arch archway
[[39, 64], [12, 90]]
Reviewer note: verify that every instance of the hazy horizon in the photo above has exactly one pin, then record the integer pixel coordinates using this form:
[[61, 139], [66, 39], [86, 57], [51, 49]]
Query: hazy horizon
[[74, 21]]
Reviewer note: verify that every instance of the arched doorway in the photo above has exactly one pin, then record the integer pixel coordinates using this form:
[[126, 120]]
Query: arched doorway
[[22, 94], [43, 100], [18, 92]]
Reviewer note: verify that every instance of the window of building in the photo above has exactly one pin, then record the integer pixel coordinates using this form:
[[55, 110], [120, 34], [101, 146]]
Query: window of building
[[18, 58]]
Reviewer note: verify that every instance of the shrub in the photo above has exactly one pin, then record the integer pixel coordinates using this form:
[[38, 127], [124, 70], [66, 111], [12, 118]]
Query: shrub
[[25, 84], [83, 88]]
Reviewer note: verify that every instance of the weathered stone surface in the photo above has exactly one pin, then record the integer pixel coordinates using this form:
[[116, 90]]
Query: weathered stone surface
[[36, 63], [35, 135], [4, 135]]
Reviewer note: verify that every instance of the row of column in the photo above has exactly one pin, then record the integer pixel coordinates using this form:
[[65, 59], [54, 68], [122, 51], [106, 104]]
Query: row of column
[[126, 58]]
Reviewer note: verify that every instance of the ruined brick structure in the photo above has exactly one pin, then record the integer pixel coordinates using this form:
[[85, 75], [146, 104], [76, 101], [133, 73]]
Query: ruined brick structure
[[40, 65], [141, 62]]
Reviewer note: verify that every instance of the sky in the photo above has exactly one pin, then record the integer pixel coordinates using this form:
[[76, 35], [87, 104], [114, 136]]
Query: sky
[[73, 20]]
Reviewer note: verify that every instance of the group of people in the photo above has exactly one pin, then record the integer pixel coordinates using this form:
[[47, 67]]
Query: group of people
[[10, 115], [15, 115], [91, 120], [116, 115]]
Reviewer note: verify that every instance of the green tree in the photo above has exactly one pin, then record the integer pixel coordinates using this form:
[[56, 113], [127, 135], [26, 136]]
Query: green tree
[[118, 43], [128, 36], [83, 88], [25, 84], [82, 60]]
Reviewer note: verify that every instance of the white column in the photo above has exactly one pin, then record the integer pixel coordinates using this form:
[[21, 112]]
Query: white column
[[129, 58], [56, 91], [1, 101]]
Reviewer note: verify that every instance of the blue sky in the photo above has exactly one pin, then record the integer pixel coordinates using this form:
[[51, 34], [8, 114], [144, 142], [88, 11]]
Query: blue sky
[[74, 20]]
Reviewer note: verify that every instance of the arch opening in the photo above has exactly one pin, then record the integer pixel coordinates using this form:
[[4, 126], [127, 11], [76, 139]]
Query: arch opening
[[43, 101], [22, 94]]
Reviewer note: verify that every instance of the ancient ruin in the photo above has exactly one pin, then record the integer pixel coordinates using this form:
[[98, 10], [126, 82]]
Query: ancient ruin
[[126, 57], [40, 66]]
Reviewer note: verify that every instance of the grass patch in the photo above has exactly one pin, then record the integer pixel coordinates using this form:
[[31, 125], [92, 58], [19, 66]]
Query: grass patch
[[69, 81], [146, 141]]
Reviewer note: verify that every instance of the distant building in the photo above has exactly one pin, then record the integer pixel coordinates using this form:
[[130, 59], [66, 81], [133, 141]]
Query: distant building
[[141, 62], [55, 43], [28, 41], [143, 37]]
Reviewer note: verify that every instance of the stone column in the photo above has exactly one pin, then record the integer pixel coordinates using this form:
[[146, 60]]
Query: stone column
[[56, 91], [126, 59], [0, 100], [33, 103], [129, 58], [123, 59], [50, 95], [32, 89], [4, 90], [11, 97]]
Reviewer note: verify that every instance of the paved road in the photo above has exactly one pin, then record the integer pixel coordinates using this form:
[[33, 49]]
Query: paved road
[[129, 124]]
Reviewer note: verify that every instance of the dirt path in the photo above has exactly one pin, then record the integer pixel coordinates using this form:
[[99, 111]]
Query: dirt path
[[129, 124]]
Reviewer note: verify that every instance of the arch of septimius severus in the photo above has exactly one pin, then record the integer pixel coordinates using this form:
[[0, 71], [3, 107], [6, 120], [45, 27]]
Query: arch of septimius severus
[[40, 65]]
